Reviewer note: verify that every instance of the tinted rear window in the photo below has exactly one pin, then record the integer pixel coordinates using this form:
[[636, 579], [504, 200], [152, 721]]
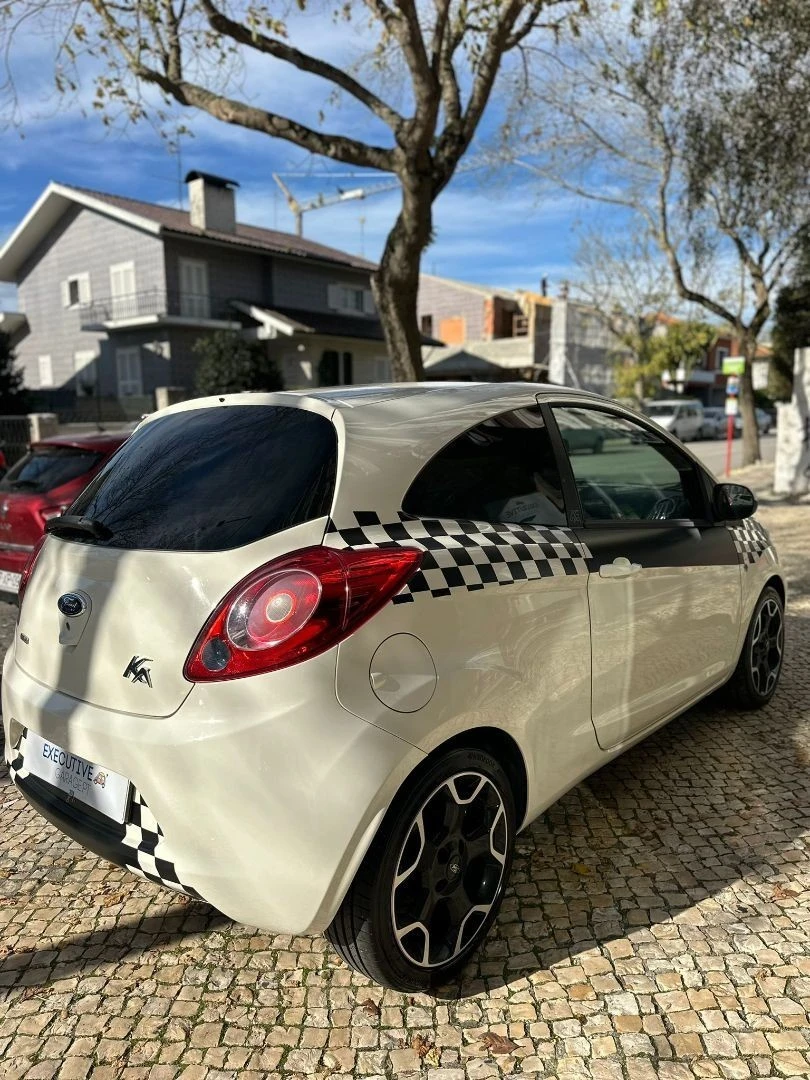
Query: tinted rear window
[[214, 479], [47, 467]]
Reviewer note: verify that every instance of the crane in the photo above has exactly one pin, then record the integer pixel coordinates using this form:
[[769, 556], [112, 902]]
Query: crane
[[343, 195]]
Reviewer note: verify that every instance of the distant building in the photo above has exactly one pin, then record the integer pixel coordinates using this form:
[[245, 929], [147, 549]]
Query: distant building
[[495, 333]]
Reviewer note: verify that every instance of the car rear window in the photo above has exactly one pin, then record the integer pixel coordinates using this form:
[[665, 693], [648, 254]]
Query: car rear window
[[214, 479], [47, 467]]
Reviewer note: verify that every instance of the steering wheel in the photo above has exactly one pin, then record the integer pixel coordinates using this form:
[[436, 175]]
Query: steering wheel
[[662, 509], [616, 512]]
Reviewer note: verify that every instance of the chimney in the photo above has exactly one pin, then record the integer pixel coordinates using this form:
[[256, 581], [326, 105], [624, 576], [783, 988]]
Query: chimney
[[212, 202]]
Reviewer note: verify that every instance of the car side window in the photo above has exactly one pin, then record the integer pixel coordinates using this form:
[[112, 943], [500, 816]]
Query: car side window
[[503, 470], [625, 471]]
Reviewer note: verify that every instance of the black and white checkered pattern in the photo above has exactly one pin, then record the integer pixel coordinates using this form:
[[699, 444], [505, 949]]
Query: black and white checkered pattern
[[467, 555], [751, 540], [143, 847]]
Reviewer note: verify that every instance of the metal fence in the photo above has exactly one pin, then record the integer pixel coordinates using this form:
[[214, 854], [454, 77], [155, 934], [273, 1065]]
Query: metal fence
[[14, 437]]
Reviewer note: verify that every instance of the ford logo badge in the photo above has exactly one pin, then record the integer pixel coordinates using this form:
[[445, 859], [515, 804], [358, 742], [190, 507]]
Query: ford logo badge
[[71, 605]]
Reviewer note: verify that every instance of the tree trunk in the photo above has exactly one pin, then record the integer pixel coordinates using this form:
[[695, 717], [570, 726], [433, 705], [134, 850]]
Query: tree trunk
[[396, 283], [750, 432]]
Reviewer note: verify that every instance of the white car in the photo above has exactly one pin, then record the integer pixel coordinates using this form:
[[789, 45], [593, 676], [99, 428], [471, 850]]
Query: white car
[[316, 658], [681, 417]]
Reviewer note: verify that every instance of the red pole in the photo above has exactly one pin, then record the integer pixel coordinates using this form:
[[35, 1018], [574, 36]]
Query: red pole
[[729, 443]]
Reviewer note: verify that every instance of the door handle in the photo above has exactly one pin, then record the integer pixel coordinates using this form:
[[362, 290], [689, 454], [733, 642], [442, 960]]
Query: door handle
[[619, 568]]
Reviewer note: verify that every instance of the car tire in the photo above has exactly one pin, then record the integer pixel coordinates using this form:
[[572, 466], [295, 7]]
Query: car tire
[[439, 865], [756, 676]]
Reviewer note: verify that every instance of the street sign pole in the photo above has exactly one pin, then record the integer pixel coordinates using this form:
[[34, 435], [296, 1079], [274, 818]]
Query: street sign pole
[[732, 367], [729, 443]]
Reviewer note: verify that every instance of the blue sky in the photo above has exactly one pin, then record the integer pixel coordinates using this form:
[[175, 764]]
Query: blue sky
[[495, 228]]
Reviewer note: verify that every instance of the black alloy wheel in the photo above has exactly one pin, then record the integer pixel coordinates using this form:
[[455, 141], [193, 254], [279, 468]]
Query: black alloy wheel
[[433, 881], [757, 674]]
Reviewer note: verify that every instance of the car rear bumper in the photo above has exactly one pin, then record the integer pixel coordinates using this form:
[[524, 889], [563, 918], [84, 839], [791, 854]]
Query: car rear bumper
[[267, 818]]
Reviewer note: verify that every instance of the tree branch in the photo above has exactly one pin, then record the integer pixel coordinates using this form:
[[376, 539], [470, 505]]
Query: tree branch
[[253, 39]]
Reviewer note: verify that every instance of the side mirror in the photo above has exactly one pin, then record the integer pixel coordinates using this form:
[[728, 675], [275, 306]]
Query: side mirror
[[733, 502]]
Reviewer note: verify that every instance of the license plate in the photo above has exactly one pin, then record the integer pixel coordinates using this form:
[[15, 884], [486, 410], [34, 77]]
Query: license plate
[[9, 581], [92, 784]]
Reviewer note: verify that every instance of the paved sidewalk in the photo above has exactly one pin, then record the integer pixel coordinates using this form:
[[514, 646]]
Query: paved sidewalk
[[658, 925]]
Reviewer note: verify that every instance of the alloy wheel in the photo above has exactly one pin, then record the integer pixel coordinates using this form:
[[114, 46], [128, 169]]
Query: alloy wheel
[[450, 869], [767, 643]]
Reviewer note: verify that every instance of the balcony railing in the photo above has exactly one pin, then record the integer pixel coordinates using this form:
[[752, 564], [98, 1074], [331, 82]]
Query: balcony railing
[[153, 302]]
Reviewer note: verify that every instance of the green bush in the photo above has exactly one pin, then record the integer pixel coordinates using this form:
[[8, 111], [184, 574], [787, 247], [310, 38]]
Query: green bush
[[229, 364]]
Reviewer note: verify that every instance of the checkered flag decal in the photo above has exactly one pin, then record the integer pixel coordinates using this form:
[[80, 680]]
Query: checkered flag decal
[[143, 848], [467, 555], [751, 541]]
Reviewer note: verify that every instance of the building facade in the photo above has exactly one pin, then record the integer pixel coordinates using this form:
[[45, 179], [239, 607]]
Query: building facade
[[113, 293], [495, 334]]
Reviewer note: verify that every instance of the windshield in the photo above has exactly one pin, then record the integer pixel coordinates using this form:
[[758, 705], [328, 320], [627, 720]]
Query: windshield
[[47, 467], [660, 410], [213, 479]]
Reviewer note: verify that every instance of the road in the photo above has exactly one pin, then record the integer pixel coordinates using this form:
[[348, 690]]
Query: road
[[713, 453]]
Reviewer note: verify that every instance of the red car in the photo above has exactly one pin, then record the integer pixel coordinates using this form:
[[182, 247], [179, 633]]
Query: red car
[[41, 486]]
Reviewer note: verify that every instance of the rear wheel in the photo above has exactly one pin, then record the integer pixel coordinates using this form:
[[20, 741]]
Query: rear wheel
[[431, 885], [756, 676]]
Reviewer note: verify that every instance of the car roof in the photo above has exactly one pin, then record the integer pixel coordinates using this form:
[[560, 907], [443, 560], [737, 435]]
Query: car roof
[[430, 397], [100, 441]]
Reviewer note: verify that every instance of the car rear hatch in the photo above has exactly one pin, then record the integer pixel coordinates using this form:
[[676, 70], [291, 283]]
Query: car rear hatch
[[197, 498]]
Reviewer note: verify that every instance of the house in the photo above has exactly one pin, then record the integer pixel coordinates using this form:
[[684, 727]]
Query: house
[[495, 333], [114, 292], [705, 379]]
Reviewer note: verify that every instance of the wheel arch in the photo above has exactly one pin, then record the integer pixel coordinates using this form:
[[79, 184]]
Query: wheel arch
[[494, 741], [776, 582]]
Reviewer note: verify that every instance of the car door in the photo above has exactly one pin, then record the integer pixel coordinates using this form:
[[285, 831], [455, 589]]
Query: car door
[[664, 586]]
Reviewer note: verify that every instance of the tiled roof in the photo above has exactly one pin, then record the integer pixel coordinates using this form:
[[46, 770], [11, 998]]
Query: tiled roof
[[246, 236]]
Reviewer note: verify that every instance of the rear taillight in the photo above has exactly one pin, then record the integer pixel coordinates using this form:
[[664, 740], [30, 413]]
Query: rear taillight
[[28, 569], [297, 607]]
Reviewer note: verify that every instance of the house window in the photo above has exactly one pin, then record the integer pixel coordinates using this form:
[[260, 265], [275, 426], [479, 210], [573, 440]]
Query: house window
[[426, 325], [382, 370], [353, 300], [124, 302], [720, 354], [76, 290], [195, 303], [45, 366], [85, 372], [130, 378]]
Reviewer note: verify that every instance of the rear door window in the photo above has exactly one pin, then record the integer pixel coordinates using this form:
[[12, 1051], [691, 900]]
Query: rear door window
[[214, 479], [47, 467], [504, 470]]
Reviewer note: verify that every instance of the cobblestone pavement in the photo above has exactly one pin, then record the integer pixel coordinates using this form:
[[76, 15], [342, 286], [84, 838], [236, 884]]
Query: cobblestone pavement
[[658, 925]]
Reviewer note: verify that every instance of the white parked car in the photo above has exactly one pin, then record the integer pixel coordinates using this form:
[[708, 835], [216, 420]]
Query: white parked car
[[681, 417], [316, 658]]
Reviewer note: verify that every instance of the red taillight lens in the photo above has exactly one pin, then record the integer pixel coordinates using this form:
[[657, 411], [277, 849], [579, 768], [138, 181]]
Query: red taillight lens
[[297, 607], [28, 569]]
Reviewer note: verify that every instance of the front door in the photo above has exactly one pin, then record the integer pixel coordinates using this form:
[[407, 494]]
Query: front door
[[664, 587], [130, 378]]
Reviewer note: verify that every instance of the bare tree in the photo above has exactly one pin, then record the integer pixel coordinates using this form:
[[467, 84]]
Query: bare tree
[[625, 280], [450, 52], [691, 115]]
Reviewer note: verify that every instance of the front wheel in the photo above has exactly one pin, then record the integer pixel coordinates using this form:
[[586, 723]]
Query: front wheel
[[432, 882], [756, 676]]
